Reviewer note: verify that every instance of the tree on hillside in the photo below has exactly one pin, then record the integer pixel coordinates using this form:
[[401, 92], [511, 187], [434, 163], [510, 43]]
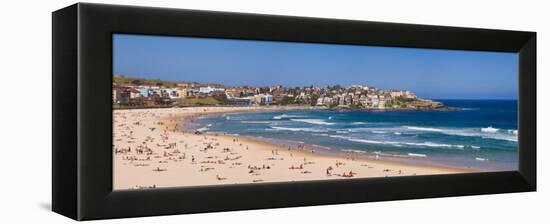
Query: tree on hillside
[[136, 82], [286, 100], [313, 100]]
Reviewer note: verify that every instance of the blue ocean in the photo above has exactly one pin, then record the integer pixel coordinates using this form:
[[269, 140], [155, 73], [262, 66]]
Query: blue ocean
[[481, 136]]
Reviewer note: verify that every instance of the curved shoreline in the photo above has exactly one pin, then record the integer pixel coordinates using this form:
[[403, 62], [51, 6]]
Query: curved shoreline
[[330, 152], [178, 159]]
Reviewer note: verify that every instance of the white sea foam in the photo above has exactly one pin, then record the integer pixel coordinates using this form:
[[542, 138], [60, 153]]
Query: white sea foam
[[282, 116], [358, 129], [369, 141], [379, 132], [379, 153], [423, 129], [358, 123], [313, 121], [481, 159], [203, 129], [296, 129], [475, 147], [417, 155], [256, 122], [353, 151], [395, 143], [489, 129], [434, 145], [361, 140], [486, 133], [501, 137]]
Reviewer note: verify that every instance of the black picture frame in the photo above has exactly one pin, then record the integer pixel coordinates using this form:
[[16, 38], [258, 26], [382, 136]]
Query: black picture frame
[[82, 111]]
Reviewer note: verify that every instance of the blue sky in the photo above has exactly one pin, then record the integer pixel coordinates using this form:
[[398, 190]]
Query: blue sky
[[437, 74]]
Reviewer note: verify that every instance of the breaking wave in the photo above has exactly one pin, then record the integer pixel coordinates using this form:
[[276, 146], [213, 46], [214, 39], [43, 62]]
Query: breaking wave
[[256, 122], [203, 129], [313, 121], [489, 129], [417, 155], [399, 144], [486, 132], [296, 129], [283, 116], [423, 129]]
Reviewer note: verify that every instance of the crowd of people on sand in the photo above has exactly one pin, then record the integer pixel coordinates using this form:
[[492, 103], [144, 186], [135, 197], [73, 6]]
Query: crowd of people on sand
[[253, 169], [159, 146], [144, 187], [292, 167], [344, 174], [135, 158]]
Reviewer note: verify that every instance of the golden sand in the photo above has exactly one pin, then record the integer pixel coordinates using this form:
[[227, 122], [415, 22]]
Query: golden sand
[[149, 151]]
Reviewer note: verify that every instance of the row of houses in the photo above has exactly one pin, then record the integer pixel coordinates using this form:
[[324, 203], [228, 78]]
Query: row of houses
[[126, 93], [366, 101], [123, 94], [258, 99], [354, 95], [365, 97]]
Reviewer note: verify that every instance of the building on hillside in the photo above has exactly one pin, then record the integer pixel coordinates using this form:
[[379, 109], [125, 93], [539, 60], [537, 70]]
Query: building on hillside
[[182, 92], [410, 95], [324, 100], [348, 100], [145, 92], [372, 101], [263, 99], [363, 101], [124, 94], [402, 94], [384, 103], [208, 89], [245, 101], [132, 92], [267, 99], [217, 94], [396, 93], [342, 99], [115, 92], [174, 94], [186, 85]]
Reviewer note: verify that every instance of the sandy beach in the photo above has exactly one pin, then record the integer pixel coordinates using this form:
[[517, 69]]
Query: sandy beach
[[151, 151]]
